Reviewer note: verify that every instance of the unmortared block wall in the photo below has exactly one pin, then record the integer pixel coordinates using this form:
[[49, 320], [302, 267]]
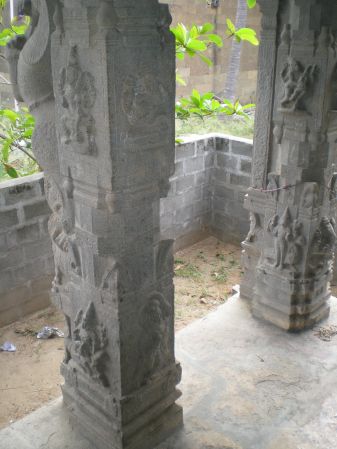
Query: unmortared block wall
[[26, 263], [206, 196], [197, 74]]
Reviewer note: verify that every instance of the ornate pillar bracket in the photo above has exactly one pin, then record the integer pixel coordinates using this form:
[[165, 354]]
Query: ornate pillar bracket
[[288, 252], [99, 76]]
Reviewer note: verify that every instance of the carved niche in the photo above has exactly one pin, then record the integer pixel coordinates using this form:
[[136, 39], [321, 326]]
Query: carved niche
[[154, 321], [78, 95], [322, 247], [297, 82], [89, 343], [61, 229], [289, 241], [143, 98], [310, 196]]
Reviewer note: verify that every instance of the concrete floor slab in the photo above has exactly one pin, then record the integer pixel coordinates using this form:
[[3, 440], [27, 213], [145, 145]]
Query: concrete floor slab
[[246, 385]]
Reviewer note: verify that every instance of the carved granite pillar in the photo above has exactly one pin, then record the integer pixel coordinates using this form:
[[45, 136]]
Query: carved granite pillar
[[288, 253], [100, 78]]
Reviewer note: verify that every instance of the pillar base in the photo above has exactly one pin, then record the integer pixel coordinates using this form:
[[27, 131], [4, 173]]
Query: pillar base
[[289, 303], [141, 420]]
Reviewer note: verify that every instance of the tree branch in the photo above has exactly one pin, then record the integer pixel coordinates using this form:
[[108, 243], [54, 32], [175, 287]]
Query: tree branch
[[20, 147]]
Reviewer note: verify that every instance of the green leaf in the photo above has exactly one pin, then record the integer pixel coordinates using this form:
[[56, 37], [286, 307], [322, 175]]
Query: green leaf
[[10, 170], [247, 34], [249, 106], [5, 36], [206, 28], [251, 3], [9, 114], [5, 149], [196, 45], [230, 27], [215, 39]]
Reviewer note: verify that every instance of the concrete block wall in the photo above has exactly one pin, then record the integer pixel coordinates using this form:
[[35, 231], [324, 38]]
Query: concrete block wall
[[231, 178], [186, 210], [207, 190], [206, 194], [26, 263]]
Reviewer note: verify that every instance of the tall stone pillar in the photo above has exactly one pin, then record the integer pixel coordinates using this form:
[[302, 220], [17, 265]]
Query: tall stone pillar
[[288, 253], [99, 76]]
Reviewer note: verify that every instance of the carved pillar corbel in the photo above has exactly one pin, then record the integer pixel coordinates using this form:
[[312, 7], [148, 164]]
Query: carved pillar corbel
[[293, 174], [99, 76]]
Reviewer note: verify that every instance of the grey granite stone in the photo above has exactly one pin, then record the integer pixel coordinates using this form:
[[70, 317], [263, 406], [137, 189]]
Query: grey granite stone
[[103, 100], [288, 253]]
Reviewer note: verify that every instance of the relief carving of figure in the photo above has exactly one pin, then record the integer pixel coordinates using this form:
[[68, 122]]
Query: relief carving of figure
[[89, 345], [255, 227], [61, 229], [29, 60], [310, 196], [78, 95], [272, 185], [281, 231], [155, 322], [323, 246], [296, 244], [297, 82]]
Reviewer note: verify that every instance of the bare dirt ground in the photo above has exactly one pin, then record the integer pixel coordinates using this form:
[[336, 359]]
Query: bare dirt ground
[[204, 276]]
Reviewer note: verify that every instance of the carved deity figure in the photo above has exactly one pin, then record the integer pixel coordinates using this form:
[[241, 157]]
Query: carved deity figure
[[281, 231], [89, 344], [297, 82], [296, 244], [154, 321], [322, 247], [78, 95]]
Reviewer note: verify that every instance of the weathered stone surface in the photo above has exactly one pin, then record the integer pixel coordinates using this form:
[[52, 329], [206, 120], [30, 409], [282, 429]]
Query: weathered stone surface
[[288, 253], [100, 78]]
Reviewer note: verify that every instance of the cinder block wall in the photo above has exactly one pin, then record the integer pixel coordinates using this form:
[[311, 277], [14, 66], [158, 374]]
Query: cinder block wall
[[206, 196], [26, 263], [207, 190], [186, 210], [231, 178]]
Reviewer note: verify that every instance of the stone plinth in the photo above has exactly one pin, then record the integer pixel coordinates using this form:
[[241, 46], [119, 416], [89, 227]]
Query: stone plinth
[[288, 253], [99, 77]]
